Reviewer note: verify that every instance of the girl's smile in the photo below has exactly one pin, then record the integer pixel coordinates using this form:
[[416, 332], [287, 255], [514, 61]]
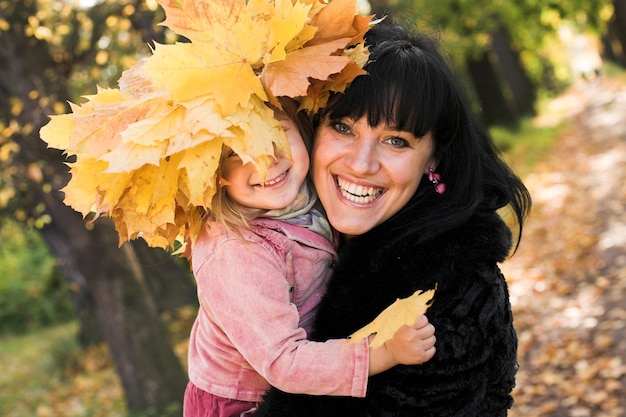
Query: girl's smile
[[280, 186], [276, 180]]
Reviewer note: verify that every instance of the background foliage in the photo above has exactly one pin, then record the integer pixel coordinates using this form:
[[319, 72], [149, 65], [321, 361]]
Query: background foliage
[[52, 51], [32, 292]]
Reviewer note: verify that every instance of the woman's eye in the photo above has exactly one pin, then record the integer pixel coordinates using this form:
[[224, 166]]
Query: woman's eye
[[398, 142], [340, 127]]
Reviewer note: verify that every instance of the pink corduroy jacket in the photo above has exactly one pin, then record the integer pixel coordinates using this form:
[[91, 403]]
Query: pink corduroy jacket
[[259, 292]]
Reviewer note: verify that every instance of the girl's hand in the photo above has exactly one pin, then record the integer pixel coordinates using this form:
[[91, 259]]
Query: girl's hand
[[410, 345], [413, 345]]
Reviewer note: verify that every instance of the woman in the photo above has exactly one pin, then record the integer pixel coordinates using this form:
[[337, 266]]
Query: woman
[[413, 183]]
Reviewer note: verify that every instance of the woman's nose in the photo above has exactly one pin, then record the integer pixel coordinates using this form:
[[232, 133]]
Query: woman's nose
[[362, 158]]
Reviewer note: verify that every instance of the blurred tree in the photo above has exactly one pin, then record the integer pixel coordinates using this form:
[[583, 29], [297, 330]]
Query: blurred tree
[[380, 7], [503, 90], [615, 41], [499, 44], [47, 52]]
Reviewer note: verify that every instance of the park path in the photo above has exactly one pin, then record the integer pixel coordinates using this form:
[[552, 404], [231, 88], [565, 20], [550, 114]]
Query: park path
[[568, 278]]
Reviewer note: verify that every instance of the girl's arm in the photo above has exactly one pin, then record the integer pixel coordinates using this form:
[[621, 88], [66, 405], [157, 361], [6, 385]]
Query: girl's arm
[[249, 301]]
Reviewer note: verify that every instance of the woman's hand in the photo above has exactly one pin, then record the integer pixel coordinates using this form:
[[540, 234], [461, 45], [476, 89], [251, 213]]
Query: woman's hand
[[410, 345]]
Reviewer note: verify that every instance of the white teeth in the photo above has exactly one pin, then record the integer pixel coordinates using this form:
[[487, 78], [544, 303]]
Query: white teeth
[[358, 193], [275, 180]]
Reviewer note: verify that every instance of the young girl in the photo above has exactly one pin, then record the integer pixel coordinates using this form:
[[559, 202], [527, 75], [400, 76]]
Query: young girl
[[261, 263]]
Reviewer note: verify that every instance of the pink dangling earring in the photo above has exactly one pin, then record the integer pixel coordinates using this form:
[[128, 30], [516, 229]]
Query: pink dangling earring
[[440, 187]]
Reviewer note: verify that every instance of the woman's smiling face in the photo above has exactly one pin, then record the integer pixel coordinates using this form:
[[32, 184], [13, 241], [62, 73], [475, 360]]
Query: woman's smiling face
[[363, 174]]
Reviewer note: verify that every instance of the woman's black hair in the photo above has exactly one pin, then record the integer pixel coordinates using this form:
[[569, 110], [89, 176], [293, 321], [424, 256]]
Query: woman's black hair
[[410, 86]]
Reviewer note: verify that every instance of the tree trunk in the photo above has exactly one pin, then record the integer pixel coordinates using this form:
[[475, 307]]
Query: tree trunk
[[523, 92], [152, 376], [617, 29], [496, 110], [171, 283], [112, 278], [608, 53]]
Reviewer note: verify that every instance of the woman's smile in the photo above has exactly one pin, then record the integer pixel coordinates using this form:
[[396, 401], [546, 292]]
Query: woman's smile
[[357, 193], [365, 174]]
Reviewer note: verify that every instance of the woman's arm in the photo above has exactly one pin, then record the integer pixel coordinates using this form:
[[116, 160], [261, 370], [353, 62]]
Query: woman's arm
[[475, 365]]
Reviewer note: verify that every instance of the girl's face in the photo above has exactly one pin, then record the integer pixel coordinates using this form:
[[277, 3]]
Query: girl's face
[[284, 176], [364, 175]]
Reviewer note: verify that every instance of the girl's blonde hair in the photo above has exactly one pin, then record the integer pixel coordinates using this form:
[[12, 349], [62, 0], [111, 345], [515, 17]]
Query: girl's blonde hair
[[226, 211]]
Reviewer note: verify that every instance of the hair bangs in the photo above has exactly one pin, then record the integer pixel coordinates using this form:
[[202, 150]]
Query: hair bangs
[[399, 90]]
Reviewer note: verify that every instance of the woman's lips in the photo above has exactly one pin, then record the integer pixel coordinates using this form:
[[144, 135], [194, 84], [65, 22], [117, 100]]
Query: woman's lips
[[356, 193]]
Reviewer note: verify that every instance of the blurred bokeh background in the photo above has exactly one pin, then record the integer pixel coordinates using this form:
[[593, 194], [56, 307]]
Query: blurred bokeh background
[[88, 328]]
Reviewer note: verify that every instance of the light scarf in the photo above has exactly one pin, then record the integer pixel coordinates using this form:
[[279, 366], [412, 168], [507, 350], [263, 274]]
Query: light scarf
[[303, 212]]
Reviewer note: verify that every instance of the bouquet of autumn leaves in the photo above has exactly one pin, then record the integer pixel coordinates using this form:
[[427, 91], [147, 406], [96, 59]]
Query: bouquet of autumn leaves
[[147, 153]]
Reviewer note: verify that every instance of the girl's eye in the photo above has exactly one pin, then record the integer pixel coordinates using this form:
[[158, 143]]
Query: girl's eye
[[341, 127], [398, 142]]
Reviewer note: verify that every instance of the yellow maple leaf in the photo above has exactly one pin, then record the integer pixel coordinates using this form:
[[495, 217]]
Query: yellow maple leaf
[[402, 312], [256, 120], [58, 131], [189, 71], [202, 116], [200, 172], [286, 28], [230, 40], [145, 141], [147, 153], [80, 193], [149, 201], [99, 122]]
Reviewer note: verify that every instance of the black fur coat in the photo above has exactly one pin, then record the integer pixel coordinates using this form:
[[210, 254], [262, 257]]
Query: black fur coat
[[473, 370]]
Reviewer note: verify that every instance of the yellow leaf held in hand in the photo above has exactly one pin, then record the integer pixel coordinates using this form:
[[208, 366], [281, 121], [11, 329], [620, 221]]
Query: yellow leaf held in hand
[[402, 311]]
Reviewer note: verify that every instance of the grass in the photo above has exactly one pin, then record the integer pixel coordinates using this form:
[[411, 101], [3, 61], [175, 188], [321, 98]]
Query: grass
[[46, 374]]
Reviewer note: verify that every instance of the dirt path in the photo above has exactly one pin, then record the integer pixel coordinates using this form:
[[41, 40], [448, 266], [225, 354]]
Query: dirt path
[[568, 279]]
